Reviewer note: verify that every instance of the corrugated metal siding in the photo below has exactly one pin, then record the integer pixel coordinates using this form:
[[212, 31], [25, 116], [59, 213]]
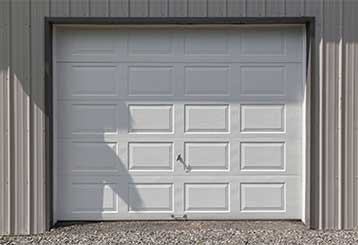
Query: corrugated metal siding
[[350, 117], [334, 186], [330, 87], [38, 9], [4, 118]]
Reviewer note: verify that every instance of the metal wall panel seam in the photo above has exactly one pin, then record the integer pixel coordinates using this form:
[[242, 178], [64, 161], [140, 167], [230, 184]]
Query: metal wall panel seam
[[33, 168], [345, 138], [2, 129], [294, 8], [333, 149], [330, 111], [217, 8], [321, 95], [236, 7], [11, 194], [59, 8], [39, 9], [275, 8], [354, 204], [29, 127], [255, 8], [20, 66], [316, 9], [139, 8], [8, 139], [340, 117], [354, 53], [27, 134], [355, 110], [158, 8], [119, 8], [355, 162], [349, 212], [178, 8], [4, 117], [79, 8], [197, 8], [98, 8], [345, 122], [108, 8]]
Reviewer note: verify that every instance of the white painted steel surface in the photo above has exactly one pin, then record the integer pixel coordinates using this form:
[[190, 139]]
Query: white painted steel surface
[[228, 100]]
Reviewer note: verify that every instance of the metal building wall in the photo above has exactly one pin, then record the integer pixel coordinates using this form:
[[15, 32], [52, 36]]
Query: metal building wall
[[23, 200]]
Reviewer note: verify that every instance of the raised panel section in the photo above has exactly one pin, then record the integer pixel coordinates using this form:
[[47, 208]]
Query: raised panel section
[[206, 197], [85, 43], [150, 156], [93, 157], [93, 119], [262, 118], [92, 43], [150, 118], [206, 43], [89, 80], [207, 155], [93, 198], [147, 197], [206, 118], [150, 43], [263, 80], [263, 197], [263, 42], [150, 81], [262, 156], [207, 80]]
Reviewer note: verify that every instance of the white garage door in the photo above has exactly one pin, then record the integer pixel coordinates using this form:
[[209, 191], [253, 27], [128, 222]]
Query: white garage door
[[172, 122]]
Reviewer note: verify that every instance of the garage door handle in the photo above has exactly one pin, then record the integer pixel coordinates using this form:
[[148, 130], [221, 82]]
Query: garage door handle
[[180, 160]]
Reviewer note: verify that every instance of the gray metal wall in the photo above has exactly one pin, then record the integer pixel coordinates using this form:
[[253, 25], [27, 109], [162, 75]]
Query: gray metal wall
[[23, 199]]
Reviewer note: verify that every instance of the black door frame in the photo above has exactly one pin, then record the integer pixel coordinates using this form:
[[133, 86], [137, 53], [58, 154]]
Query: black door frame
[[313, 109]]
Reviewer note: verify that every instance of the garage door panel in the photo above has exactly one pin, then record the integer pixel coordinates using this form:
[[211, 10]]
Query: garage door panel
[[93, 197], [275, 42], [156, 123], [150, 43], [151, 197], [151, 118], [150, 156], [177, 136], [90, 157], [83, 80], [267, 82], [279, 41], [272, 197], [263, 80], [88, 119], [207, 80], [192, 59], [207, 155], [150, 80], [206, 118], [206, 42], [270, 157], [263, 197], [263, 118], [295, 73], [101, 198], [86, 44], [207, 197], [263, 156]]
